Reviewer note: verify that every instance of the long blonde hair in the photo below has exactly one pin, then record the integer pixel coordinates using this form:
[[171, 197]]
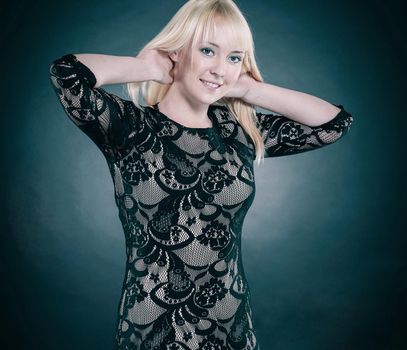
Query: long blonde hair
[[194, 21]]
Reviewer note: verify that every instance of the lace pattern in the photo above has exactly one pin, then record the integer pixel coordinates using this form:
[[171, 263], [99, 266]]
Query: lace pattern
[[182, 195]]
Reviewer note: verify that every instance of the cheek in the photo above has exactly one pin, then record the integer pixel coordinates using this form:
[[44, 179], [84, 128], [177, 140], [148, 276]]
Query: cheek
[[235, 75], [234, 80]]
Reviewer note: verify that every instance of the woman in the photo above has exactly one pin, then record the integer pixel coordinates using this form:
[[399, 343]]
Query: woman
[[182, 167]]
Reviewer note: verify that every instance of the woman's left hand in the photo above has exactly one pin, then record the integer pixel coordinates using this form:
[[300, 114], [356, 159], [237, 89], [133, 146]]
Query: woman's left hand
[[241, 87]]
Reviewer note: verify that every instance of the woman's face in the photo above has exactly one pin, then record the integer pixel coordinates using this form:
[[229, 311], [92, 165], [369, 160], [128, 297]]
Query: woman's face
[[218, 61]]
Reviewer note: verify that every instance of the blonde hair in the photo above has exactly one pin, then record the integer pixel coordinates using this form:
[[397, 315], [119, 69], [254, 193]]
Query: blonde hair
[[194, 21]]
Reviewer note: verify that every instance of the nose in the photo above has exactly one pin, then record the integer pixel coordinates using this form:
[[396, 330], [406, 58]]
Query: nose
[[218, 68]]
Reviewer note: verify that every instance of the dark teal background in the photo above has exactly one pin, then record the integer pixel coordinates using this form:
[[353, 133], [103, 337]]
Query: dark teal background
[[324, 243]]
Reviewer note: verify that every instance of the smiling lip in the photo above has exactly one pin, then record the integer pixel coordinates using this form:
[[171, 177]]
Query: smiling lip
[[210, 84]]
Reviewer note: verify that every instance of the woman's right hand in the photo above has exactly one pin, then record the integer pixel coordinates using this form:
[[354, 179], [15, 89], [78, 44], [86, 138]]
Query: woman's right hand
[[160, 64]]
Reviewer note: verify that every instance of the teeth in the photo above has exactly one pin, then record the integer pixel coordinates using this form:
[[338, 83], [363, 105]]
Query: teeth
[[210, 84]]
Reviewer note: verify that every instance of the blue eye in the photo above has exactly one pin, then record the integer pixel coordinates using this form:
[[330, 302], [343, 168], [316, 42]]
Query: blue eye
[[239, 59], [207, 51]]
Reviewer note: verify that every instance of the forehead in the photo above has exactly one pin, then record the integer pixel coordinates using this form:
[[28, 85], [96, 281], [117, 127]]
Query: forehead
[[224, 35]]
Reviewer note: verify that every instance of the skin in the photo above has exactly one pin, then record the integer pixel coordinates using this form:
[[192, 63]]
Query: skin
[[188, 99]]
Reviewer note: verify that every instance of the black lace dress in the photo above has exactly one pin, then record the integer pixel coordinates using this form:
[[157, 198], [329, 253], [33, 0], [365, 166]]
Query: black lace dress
[[182, 194]]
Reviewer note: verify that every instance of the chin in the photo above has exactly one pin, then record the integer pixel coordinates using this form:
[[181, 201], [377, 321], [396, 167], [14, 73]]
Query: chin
[[207, 99]]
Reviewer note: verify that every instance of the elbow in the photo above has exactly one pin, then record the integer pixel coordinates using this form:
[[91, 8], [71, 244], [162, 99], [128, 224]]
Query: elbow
[[341, 120], [333, 114]]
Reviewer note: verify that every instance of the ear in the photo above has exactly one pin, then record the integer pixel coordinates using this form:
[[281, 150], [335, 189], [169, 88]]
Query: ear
[[174, 56]]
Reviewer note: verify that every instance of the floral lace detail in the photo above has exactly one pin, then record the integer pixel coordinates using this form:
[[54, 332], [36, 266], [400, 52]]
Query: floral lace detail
[[182, 195], [215, 234], [210, 293], [283, 136]]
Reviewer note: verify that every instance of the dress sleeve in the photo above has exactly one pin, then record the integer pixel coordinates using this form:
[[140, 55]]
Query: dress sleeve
[[106, 118], [283, 136]]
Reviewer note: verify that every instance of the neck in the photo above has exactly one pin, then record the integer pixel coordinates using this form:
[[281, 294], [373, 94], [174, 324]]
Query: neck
[[186, 112]]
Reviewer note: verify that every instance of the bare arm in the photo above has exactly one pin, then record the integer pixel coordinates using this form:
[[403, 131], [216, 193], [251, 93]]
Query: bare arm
[[298, 106], [295, 105], [109, 69]]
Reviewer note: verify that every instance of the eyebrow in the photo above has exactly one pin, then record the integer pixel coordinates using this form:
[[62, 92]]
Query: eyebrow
[[218, 46]]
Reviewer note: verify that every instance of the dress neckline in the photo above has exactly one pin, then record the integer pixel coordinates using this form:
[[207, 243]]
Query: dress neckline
[[182, 126]]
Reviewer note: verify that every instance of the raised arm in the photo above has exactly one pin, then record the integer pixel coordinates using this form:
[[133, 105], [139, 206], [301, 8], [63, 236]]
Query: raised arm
[[108, 69], [106, 118], [283, 136], [295, 105], [298, 122]]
